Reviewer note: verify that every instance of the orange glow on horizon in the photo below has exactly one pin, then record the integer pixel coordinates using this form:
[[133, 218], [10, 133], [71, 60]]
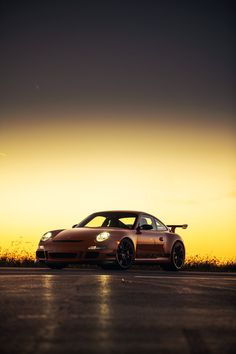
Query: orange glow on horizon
[[55, 174]]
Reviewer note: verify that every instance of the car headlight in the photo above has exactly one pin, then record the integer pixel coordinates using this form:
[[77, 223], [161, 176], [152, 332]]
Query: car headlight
[[46, 236], [103, 236]]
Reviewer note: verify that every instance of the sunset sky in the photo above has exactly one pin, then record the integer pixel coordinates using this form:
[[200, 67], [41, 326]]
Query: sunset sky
[[110, 105]]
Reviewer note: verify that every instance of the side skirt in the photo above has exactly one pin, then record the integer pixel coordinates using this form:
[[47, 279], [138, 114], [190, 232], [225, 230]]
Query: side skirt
[[152, 260]]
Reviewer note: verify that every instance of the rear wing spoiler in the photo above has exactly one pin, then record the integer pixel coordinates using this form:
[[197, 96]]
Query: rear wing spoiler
[[173, 227]]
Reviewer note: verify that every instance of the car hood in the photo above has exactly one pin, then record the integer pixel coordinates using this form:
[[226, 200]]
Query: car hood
[[82, 233]]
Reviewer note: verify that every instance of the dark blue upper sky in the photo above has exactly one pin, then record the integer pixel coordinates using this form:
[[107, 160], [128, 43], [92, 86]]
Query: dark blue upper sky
[[117, 53]]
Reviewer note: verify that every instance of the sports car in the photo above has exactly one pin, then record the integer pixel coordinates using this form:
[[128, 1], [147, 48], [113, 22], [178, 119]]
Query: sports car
[[114, 239]]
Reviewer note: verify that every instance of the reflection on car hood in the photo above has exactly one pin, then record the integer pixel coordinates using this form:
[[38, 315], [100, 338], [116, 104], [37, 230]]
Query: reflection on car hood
[[82, 234]]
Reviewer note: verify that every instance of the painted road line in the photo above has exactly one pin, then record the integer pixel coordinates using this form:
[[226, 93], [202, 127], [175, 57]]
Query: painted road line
[[179, 277]]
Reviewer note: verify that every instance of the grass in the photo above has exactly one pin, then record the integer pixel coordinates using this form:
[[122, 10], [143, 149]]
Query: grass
[[22, 254], [210, 264]]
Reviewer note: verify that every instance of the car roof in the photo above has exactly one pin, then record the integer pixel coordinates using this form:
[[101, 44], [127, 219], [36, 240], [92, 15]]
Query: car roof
[[122, 211]]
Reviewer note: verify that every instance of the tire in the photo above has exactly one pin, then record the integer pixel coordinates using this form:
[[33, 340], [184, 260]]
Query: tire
[[177, 257], [125, 254], [56, 265]]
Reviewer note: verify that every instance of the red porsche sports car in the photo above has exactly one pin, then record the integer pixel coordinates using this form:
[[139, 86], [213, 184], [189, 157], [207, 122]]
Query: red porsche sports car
[[114, 239]]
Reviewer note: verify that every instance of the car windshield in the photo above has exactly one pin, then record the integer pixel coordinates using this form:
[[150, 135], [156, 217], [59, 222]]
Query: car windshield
[[119, 220]]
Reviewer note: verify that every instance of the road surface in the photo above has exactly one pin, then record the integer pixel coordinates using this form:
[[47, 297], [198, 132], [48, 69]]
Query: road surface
[[96, 311]]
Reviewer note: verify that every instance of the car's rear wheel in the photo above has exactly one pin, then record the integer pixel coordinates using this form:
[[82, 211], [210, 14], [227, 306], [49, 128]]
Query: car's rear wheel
[[125, 254], [177, 257], [56, 265]]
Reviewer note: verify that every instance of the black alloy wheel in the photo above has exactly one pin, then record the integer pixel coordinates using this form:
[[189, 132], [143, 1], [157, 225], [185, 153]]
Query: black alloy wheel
[[125, 254], [177, 257]]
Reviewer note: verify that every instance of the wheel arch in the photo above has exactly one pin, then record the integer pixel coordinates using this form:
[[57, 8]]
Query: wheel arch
[[131, 240], [170, 242], [180, 241]]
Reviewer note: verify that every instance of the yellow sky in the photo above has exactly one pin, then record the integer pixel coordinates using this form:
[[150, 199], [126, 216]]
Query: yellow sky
[[54, 174]]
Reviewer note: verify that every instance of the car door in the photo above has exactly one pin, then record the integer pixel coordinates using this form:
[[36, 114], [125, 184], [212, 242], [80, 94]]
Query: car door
[[146, 239], [160, 237]]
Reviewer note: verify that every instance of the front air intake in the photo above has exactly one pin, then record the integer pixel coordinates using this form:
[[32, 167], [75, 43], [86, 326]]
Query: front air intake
[[40, 254], [58, 255]]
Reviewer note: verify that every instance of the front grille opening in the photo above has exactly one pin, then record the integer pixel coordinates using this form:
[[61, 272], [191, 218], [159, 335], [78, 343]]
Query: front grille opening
[[62, 255], [40, 254], [91, 254]]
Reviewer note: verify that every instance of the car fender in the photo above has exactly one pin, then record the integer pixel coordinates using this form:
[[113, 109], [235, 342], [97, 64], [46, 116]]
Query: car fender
[[171, 239], [130, 234]]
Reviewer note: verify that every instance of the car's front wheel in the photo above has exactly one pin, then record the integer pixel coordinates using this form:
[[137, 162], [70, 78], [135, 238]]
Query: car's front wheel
[[125, 254], [177, 257]]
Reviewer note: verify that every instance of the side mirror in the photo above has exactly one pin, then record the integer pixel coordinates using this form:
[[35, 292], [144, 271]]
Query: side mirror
[[146, 227]]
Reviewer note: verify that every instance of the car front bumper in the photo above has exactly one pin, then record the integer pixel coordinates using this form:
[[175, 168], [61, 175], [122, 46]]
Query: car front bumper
[[66, 254]]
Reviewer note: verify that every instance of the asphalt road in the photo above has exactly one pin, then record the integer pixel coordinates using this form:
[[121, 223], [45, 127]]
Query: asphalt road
[[96, 311]]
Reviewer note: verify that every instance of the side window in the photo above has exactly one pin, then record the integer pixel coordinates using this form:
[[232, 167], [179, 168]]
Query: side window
[[147, 220], [128, 221], [160, 226]]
